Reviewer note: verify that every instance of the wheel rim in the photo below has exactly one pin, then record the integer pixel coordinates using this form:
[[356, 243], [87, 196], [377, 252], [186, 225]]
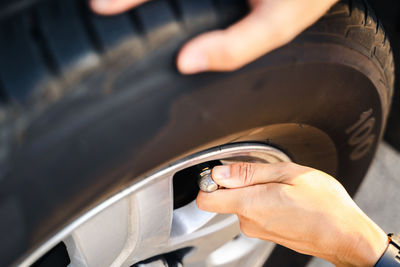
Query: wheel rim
[[139, 222]]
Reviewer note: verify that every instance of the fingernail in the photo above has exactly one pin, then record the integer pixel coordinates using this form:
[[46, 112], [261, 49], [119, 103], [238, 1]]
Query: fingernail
[[221, 172], [101, 4], [193, 63]]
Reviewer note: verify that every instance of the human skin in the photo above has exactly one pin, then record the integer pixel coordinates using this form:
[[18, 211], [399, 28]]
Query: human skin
[[292, 205], [269, 25], [298, 207]]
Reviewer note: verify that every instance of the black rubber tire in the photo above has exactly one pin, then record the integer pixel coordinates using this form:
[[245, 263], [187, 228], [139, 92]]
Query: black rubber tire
[[75, 131], [389, 13]]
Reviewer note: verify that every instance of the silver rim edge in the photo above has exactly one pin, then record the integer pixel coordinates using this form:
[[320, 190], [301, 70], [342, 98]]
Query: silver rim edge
[[139, 222]]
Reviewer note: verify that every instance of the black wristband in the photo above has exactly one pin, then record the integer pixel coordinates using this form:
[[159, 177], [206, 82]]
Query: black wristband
[[391, 257]]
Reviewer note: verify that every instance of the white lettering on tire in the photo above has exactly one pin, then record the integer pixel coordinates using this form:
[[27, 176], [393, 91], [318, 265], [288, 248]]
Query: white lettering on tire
[[361, 136]]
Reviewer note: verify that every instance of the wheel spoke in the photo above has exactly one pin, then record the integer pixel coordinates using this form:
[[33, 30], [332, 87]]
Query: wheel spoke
[[213, 235], [188, 219], [100, 240], [243, 251], [152, 219], [133, 229]]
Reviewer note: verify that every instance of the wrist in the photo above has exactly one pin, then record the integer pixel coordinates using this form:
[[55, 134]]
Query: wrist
[[365, 245]]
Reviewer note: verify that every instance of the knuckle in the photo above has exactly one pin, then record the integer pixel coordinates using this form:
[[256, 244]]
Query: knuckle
[[200, 203], [229, 57], [245, 171], [285, 169], [246, 230], [227, 52], [241, 211], [243, 227], [286, 166]]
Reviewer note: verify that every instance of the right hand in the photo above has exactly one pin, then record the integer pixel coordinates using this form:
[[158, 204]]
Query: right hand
[[298, 207], [270, 24]]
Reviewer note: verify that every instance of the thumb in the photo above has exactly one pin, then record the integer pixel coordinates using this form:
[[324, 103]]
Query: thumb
[[246, 174]]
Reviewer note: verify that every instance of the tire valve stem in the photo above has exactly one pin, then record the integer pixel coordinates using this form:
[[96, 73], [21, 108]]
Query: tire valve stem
[[205, 181]]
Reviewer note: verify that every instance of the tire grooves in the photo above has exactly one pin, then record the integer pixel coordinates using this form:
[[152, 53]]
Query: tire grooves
[[219, 7], [373, 52], [83, 11], [363, 17], [385, 39], [366, 12], [3, 96], [136, 22], [377, 25], [177, 10], [350, 3], [40, 41], [215, 4]]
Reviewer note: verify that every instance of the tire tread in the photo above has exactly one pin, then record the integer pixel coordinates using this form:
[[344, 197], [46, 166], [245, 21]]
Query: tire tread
[[355, 22]]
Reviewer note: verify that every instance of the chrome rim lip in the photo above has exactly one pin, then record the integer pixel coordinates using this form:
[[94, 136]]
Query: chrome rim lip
[[217, 153]]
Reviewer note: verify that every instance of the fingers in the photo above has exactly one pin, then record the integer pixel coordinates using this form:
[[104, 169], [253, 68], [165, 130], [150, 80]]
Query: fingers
[[241, 201], [235, 200], [230, 49], [269, 25], [220, 201], [246, 174], [110, 7]]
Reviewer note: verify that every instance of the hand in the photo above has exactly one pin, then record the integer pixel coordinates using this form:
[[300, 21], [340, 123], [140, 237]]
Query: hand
[[270, 24], [298, 207]]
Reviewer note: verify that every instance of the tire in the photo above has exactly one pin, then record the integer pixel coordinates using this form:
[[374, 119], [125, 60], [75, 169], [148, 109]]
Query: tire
[[389, 12], [78, 122]]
